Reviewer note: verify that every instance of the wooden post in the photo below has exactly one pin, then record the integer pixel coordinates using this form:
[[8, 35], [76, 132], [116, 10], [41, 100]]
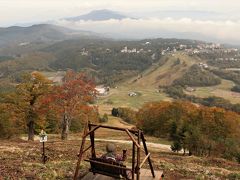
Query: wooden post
[[92, 141], [80, 153], [146, 153], [132, 138], [138, 156], [133, 161]]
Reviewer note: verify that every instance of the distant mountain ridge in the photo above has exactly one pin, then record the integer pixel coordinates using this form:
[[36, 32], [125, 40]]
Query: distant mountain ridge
[[98, 15], [40, 32]]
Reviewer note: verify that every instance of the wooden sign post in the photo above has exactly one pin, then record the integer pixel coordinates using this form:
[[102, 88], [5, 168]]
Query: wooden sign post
[[43, 139]]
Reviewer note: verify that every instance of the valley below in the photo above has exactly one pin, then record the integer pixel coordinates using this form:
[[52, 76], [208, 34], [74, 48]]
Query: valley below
[[184, 95]]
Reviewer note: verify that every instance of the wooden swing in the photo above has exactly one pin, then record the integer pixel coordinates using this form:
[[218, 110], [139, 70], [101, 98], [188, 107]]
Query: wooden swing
[[115, 169]]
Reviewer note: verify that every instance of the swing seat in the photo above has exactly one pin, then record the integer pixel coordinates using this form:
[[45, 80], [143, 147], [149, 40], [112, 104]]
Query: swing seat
[[109, 168]]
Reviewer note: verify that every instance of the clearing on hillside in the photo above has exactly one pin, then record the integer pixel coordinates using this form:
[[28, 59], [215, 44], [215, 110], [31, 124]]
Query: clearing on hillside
[[163, 75]]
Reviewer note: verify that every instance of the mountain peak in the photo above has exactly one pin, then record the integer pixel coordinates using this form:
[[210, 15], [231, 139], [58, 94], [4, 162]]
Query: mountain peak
[[99, 15]]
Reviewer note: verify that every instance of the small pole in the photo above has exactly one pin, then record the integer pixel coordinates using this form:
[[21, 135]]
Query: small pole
[[43, 139], [43, 154]]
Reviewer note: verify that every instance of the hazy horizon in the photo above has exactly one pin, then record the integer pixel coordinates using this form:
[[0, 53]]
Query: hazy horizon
[[214, 20]]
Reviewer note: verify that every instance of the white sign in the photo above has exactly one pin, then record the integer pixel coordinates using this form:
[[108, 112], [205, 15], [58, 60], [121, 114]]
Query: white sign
[[43, 138]]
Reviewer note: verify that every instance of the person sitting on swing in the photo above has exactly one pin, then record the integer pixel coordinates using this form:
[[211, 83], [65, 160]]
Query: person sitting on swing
[[111, 154]]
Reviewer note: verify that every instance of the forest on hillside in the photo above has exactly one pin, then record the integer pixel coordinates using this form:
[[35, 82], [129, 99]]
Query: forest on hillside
[[198, 130], [103, 59], [197, 76]]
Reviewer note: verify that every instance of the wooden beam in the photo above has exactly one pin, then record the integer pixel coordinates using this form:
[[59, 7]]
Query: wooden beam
[[144, 160], [87, 148], [138, 156], [108, 164], [132, 138], [94, 129], [114, 128], [93, 153], [80, 153], [133, 160], [146, 152]]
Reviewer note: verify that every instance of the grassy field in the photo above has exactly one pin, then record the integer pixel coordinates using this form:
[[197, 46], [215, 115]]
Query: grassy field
[[119, 97], [146, 87], [223, 90], [174, 67]]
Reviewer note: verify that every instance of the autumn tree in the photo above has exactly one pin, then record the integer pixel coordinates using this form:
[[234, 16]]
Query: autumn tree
[[203, 131], [72, 99], [26, 98]]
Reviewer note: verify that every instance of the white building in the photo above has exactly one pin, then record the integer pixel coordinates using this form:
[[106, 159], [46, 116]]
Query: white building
[[131, 94], [102, 91], [125, 49]]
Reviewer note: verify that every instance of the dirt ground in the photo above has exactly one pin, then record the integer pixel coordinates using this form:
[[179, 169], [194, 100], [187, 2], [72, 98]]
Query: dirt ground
[[20, 159]]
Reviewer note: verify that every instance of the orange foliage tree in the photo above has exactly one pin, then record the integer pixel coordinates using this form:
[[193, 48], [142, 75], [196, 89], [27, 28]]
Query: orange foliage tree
[[199, 129], [72, 99], [24, 103]]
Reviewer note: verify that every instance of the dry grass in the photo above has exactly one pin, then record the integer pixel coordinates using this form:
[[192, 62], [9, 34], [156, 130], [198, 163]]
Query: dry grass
[[164, 75], [22, 160]]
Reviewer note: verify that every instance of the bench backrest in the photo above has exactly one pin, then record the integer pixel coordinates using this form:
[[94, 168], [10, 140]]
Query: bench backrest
[[108, 167]]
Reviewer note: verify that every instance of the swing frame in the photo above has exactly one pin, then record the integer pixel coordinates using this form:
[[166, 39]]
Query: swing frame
[[136, 137]]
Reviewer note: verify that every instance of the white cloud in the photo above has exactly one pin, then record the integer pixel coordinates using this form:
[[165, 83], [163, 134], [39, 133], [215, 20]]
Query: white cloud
[[224, 28], [224, 31], [19, 11]]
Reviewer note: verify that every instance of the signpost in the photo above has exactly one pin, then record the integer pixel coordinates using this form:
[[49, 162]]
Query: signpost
[[43, 139]]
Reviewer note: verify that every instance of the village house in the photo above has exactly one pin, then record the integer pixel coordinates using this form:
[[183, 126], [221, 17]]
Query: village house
[[131, 94], [190, 89], [203, 65], [102, 91]]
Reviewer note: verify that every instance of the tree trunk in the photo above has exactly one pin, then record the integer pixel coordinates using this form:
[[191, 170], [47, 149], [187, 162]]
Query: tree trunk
[[31, 131], [65, 127]]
